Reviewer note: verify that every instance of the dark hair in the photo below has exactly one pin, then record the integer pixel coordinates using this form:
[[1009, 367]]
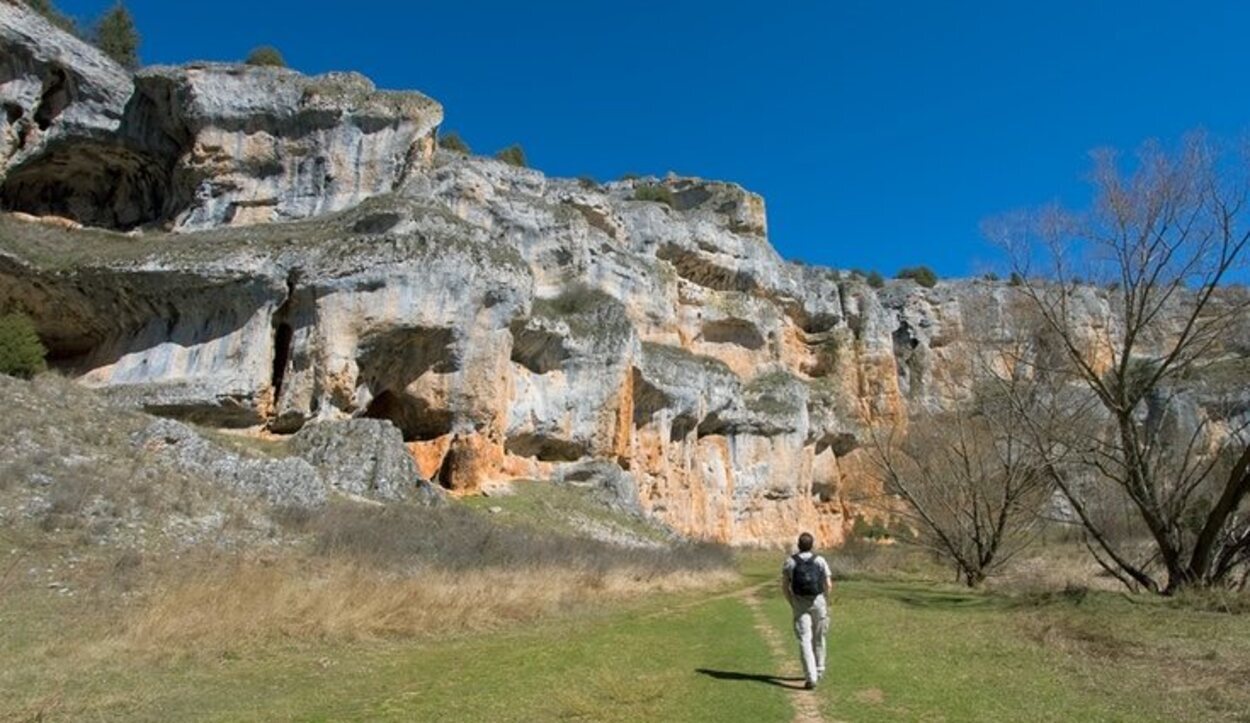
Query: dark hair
[[805, 542]]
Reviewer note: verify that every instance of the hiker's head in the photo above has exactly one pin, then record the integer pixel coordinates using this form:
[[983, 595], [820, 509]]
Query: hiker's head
[[805, 542]]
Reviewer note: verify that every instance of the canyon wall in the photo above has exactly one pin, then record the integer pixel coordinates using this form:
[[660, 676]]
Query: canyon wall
[[298, 251]]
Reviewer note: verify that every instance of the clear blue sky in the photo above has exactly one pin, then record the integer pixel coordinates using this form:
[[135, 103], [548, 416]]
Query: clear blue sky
[[880, 133]]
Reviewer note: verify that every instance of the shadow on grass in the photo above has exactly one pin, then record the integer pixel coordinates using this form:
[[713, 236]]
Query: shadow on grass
[[777, 680], [942, 599], [947, 598]]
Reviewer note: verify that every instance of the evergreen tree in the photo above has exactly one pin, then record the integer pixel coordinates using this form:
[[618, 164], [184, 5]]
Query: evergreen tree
[[117, 37]]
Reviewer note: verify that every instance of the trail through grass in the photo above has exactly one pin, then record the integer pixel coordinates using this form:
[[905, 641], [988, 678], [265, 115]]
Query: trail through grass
[[898, 652], [908, 651]]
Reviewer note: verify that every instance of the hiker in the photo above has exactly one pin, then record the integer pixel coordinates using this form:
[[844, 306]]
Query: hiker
[[805, 580]]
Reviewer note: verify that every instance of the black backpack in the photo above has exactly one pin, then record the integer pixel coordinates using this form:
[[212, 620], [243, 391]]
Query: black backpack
[[807, 579]]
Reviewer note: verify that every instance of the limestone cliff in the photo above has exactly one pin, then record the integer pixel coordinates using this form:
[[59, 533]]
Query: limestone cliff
[[510, 325], [193, 147]]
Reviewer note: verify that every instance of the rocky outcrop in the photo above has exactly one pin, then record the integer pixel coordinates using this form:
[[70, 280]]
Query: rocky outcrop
[[508, 332], [55, 89], [289, 481], [193, 147], [641, 337], [363, 457], [260, 144]]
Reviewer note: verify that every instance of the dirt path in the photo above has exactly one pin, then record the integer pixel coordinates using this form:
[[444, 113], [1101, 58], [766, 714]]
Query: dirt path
[[806, 704]]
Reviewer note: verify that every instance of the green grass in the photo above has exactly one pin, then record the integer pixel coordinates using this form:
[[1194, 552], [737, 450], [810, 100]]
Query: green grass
[[636, 662], [907, 651], [899, 651]]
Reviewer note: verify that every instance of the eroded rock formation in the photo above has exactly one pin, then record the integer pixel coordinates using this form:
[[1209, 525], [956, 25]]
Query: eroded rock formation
[[509, 325], [193, 147]]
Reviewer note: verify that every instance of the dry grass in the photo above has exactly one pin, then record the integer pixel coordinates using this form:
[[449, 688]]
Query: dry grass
[[231, 604], [860, 558], [400, 571]]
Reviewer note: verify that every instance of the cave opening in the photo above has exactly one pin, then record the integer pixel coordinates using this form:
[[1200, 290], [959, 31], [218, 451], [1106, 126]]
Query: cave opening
[[56, 95], [121, 182], [416, 418], [282, 338], [99, 184]]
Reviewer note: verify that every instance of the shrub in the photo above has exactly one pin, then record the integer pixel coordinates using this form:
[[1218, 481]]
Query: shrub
[[1016, 279], [922, 275], [654, 193], [117, 37], [588, 183], [455, 538], [513, 155], [630, 176], [21, 352], [990, 276], [874, 530], [875, 279], [266, 55], [451, 141], [53, 15]]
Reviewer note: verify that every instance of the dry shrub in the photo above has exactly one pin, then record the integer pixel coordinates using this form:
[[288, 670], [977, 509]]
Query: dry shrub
[[1052, 567], [235, 603], [860, 558], [456, 538]]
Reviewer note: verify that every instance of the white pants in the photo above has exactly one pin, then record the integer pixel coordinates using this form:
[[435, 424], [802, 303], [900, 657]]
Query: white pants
[[811, 627]]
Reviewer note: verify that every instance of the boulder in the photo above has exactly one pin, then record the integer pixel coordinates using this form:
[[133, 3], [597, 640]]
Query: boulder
[[364, 457]]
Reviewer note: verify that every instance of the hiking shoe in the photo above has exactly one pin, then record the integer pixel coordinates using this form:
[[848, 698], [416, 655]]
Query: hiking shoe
[[810, 685]]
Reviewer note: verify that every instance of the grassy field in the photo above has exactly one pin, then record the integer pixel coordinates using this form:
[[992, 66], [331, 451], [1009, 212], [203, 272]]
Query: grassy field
[[899, 651]]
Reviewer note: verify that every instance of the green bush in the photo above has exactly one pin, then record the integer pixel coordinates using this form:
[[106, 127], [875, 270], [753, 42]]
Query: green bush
[[875, 279], [865, 530], [451, 141], [1016, 279], [922, 275], [116, 35], [655, 193], [21, 352], [266, 55], [513, 155]]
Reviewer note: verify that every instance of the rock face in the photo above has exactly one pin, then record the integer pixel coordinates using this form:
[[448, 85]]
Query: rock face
[[514, 327], [260, 144], [509, 325], [193, 147], [364, 457], [55, 89]]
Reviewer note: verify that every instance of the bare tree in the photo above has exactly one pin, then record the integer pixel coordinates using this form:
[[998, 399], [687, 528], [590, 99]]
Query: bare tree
[[972, 484], [1150, 314]]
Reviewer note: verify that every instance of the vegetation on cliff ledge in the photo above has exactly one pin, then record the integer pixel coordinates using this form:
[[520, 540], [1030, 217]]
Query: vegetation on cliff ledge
[[21, 352]]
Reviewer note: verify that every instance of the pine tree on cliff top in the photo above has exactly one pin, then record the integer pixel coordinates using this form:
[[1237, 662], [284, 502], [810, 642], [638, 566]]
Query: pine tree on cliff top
[[117, 36]]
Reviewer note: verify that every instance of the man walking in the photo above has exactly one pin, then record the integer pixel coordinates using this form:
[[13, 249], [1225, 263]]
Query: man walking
[[805, 580]]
